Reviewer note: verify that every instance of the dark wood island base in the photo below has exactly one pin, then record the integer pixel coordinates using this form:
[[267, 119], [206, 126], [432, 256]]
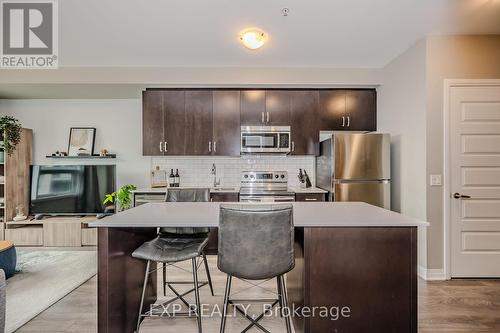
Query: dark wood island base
[[371, 271]]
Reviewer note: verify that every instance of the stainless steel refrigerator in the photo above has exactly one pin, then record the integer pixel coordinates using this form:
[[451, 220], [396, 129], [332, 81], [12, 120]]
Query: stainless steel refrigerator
[[356, 167]]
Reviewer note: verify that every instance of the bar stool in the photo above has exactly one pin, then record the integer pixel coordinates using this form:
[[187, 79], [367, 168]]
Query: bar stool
[[256, 243], [174, 245]]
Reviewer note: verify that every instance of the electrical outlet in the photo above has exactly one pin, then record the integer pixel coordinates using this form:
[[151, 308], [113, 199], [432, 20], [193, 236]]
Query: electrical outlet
[[436, 180]]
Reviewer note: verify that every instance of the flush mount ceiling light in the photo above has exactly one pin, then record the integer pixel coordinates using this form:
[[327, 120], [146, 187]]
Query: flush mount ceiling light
[[253, 38]]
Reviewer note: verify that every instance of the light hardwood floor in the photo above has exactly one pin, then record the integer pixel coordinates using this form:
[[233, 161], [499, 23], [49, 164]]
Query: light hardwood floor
[[471, 306]]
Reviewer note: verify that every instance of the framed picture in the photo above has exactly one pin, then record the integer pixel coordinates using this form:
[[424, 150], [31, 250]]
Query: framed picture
[[81, 141]]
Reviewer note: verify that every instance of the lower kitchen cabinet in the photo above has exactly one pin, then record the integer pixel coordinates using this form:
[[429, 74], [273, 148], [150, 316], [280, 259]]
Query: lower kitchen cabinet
[[310, 197], [213, 241], [224, 197]]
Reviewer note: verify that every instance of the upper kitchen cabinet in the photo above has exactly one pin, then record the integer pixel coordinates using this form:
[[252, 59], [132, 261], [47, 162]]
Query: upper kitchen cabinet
[[163, 122], [152, 123], [361, 110], [332, 110], [348, 110], [199, 122], [277, 111], [304, 112], [253, 108], [174, 121], [226, 122]]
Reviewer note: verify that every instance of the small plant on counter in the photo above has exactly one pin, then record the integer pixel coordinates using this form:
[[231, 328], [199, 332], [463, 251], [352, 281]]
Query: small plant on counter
[[122, 197], [11, 129]]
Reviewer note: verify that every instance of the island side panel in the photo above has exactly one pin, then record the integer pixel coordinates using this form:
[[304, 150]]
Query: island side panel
[[120, 278], [371, 270], [295, 281]]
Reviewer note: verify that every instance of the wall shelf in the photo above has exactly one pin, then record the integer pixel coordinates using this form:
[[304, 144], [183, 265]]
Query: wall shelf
[[82, 157]]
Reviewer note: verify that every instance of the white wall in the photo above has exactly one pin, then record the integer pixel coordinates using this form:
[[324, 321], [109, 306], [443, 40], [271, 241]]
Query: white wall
[[402, 112], [118, 124]]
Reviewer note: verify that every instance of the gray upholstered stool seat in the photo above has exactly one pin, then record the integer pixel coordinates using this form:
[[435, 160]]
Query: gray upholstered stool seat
[[171, 248]]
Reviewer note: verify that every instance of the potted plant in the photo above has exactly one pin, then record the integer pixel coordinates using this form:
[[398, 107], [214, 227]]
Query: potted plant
[[122, 197], [11, 129]]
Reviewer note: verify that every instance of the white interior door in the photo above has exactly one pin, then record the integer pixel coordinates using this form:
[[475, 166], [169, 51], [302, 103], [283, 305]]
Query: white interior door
[[475, 173]]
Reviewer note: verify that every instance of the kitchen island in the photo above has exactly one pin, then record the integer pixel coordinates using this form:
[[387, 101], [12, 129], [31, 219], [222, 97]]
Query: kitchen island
[[349, 255]]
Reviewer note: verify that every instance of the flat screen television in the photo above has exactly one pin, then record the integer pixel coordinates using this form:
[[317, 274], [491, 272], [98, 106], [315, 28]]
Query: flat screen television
[[70, 189]]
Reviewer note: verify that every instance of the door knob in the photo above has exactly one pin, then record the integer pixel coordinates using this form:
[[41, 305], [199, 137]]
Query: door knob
[[457, 195]]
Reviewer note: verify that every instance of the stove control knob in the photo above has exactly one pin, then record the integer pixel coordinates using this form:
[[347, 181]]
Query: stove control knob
[[276, 176], [246, 176], [282, 176], [252, 176]]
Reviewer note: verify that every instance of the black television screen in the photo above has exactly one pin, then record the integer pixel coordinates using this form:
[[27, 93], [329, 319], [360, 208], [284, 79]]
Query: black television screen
[[70, 189]]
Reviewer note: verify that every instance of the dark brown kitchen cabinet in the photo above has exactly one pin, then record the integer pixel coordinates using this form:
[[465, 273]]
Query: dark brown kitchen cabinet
[[304, 120], [174, 129], [226, 122], [348, 110], [253, 107], [213, 238], [163, 122], [224, 197], [152, 123], [310, 197], [277, 112], [199, 122], [332, 110], [361, 110]]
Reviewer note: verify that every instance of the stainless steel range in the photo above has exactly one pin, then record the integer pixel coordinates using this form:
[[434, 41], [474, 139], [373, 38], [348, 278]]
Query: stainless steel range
[[265, 186]]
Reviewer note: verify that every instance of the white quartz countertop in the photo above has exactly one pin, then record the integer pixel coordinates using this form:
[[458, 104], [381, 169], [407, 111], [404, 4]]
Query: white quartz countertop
[[307, 190], [220, 189], [305, 214], [225, 189]]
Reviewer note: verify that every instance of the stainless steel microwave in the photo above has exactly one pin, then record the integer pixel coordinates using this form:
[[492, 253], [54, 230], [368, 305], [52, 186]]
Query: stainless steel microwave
[[265, 139]]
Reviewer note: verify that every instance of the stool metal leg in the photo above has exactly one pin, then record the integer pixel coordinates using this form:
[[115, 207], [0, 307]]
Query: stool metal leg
[[208, 274], [164, 279], [146, 274], [285, 304], [197, 294], [226, 304], [280, 296]]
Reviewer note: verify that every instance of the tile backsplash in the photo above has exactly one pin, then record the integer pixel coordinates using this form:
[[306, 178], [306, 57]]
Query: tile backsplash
[[196, 171]]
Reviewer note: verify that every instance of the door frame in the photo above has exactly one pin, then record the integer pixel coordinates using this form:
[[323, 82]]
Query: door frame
[[448, 85]]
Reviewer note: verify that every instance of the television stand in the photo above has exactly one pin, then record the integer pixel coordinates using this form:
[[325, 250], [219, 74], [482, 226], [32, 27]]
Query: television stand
[[52, 231]]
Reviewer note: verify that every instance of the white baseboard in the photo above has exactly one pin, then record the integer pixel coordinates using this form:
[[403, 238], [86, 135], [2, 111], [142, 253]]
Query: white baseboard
[[431, 274]]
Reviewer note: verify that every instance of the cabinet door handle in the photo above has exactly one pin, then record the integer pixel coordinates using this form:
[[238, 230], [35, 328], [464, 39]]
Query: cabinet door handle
[[262, 118], [343, 121], [311, 199], [165, 146], [348, 121], [161, 147], [215, 146], [293, 145], [268, 116], [210, 146]]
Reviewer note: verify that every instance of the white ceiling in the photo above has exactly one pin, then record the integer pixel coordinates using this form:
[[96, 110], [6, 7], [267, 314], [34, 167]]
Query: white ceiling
[[203, 33]]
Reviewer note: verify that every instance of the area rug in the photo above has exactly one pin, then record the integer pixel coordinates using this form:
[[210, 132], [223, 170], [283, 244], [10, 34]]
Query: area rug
[[43, 277]]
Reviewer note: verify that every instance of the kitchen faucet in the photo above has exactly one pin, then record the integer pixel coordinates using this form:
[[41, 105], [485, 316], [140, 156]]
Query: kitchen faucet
[[214, 173]]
